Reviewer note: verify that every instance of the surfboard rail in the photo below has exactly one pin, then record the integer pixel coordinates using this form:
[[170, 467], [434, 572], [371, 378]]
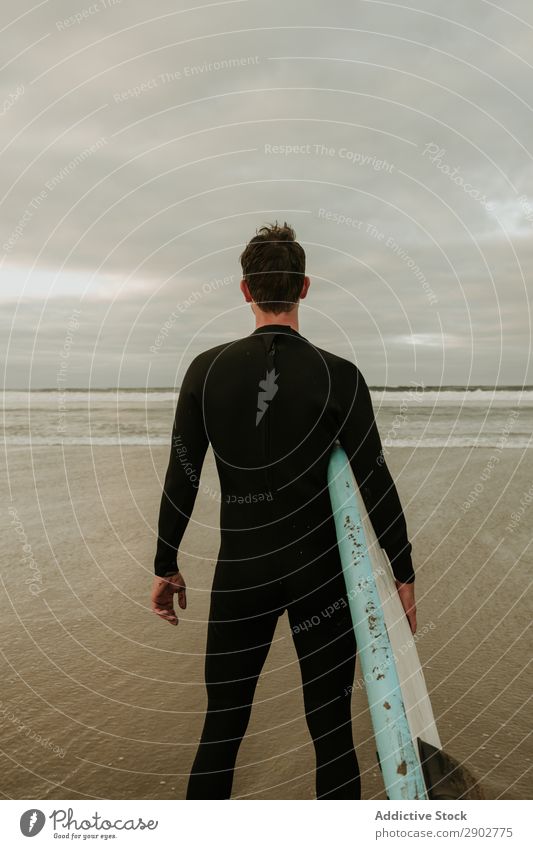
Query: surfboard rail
[[397, 752], [412, 762]]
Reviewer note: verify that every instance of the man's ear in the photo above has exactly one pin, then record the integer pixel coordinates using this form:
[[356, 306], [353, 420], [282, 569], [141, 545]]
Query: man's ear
[[246, 292], [305, 288]]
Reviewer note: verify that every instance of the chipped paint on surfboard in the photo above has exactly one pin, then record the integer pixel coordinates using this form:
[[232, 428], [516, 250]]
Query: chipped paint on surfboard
[[397, 695]]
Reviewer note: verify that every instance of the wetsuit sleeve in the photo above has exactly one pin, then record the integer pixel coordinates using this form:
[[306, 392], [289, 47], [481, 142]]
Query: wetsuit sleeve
[[359, 436], [187, 452]]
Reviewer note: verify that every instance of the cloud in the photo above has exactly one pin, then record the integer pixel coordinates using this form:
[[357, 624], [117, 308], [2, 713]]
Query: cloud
[[144, 149]]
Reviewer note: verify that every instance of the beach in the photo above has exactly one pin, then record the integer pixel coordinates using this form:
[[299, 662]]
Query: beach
[[101, 699]]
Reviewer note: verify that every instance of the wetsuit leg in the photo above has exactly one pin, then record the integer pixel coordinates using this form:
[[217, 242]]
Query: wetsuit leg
[[323, 636], [240, 630]]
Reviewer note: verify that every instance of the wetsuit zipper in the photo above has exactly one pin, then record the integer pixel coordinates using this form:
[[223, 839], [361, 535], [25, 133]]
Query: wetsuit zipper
[[270, 367]]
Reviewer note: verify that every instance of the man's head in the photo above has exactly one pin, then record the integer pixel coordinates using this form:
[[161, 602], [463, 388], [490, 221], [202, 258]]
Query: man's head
[[273, 269]]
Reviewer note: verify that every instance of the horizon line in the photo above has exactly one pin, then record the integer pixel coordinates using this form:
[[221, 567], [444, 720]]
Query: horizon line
[[397, 386]]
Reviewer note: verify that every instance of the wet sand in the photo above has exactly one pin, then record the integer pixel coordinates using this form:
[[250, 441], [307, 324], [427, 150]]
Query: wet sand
[[100, 699]]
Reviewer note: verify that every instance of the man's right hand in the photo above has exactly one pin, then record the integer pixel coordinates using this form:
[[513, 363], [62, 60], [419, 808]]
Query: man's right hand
[[407, 598], [163, 590]]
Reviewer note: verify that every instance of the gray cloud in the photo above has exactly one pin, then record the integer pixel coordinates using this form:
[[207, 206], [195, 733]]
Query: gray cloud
[[143, 148]]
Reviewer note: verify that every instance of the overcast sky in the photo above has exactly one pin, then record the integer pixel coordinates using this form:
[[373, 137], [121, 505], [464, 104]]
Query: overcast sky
[[142, 144]]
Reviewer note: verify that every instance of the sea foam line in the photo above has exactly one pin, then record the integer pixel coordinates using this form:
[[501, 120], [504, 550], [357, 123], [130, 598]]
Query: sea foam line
[[427, 442]]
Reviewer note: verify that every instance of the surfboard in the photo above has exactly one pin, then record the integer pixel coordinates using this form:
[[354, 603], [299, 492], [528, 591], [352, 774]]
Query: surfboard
[[408, 746]]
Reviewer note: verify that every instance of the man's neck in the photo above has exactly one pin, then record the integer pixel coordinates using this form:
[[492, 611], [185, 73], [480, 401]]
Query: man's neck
[[289, 319]]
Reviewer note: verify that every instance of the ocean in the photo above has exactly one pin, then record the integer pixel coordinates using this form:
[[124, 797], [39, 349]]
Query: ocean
[[407, 416]]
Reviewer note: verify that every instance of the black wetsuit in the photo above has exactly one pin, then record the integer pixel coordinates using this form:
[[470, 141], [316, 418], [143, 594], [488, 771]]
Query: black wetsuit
[[272, 405]]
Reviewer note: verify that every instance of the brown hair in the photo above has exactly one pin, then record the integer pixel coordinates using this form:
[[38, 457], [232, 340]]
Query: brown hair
[[273, 265]]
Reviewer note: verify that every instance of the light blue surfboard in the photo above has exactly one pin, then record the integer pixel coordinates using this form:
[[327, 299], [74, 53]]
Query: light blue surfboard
[[399, 704]]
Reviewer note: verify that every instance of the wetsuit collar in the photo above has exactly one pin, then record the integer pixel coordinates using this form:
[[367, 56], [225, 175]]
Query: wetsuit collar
[[276, 328]]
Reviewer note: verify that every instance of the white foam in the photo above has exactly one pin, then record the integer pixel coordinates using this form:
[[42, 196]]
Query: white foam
[[426, 442], [85, 440], [11, 399], [454, 398]]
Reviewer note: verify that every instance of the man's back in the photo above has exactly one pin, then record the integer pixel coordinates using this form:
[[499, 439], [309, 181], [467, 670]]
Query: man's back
[[272, 405]]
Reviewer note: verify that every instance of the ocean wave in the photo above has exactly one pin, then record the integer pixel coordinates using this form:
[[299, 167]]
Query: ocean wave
[[50, 398], [11, 399], [426, 442], [454, 398], [85, 440]]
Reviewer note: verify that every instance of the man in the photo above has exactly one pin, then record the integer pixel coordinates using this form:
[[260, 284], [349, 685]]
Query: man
[[272, 406]]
